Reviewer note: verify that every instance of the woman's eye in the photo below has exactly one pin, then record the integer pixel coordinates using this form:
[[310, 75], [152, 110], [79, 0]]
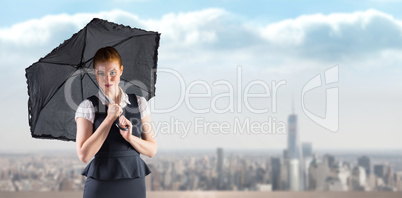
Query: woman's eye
[[101, 74], [112, 73]]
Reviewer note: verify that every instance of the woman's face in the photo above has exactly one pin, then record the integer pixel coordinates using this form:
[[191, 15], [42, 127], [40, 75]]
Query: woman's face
[[108, 77]]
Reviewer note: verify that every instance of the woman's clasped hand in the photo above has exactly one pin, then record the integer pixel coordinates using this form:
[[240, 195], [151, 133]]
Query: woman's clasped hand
[[114, 111], [124, 122]]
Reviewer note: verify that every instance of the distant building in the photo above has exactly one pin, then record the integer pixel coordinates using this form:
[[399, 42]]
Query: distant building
[[380, 170], [307, 149], [295, 174], [385, 177], [329, 160], [307, 153], [167, 177], [365, 162], [219, 168], [293, 138], [340, 174], [156, 180], [371, 182], [66, 185], [276, 173], [284, 184], [358, 179], [398, 181], [285, 154], [389, 177], [318, 173]]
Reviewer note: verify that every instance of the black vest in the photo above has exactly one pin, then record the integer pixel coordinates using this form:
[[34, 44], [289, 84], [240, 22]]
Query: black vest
[[117, 158], [114, 141]]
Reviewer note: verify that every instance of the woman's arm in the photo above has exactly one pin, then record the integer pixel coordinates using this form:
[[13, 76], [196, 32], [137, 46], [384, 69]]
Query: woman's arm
[[88, 143], [147, 144]]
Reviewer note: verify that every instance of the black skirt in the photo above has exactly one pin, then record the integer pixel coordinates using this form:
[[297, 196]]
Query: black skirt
[[121, 188]]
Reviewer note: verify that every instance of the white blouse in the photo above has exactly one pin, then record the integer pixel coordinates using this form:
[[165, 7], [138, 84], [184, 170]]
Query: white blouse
[[86, 109]]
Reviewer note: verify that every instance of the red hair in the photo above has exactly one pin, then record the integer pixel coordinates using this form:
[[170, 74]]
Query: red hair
[[106, 54]]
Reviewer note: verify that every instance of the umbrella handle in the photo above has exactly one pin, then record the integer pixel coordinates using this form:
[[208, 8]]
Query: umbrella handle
[[118, 125], [121, 128]]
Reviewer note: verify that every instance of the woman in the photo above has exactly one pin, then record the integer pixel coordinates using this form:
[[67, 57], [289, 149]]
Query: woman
[[117, 170]]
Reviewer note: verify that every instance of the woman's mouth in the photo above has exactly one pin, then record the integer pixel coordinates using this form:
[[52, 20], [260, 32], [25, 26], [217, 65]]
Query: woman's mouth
[[108, 85]]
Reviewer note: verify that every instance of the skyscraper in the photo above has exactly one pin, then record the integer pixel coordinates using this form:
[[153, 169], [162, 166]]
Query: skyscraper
[[307, 153], [276, 173], [294, 174], [364, 162], [219, 167], [295, 170], [380, 170], [293, 139]]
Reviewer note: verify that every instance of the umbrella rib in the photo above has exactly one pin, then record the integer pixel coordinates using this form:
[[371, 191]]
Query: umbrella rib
[[86, 73], [85, 44], [58, 88], [92, 80], [82, 90], [82, 57], [124, 40], [82, 77], [64, 64]]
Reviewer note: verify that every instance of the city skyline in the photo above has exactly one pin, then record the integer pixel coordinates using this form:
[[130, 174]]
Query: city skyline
[[219, 170]]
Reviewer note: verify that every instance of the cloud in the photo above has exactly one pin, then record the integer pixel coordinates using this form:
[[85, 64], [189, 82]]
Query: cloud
[[190, 28], [336, 36], [53, 28], [220, 37]]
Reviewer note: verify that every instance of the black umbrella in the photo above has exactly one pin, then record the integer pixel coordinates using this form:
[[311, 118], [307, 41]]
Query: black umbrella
[[58, 82]]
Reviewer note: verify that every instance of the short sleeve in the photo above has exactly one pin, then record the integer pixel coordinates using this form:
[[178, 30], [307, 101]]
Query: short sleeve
[[143, 106], [85, 110]]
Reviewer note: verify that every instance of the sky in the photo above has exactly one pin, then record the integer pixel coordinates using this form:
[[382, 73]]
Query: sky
[[249, 63]]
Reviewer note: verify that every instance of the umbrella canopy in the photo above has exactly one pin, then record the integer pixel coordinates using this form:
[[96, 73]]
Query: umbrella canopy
[[61, 80]]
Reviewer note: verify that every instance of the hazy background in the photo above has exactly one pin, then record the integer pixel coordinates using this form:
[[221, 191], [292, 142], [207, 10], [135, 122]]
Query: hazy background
[[208, 41]]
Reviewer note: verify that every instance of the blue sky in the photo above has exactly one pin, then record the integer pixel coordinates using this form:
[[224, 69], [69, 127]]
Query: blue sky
[[290, 41], [264, 10]]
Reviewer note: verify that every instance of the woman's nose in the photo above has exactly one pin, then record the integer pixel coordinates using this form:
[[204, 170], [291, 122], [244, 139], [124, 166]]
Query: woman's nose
[[109, 78]]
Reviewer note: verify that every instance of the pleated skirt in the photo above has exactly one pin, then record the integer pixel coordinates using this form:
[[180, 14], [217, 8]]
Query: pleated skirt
[[122, 188]]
